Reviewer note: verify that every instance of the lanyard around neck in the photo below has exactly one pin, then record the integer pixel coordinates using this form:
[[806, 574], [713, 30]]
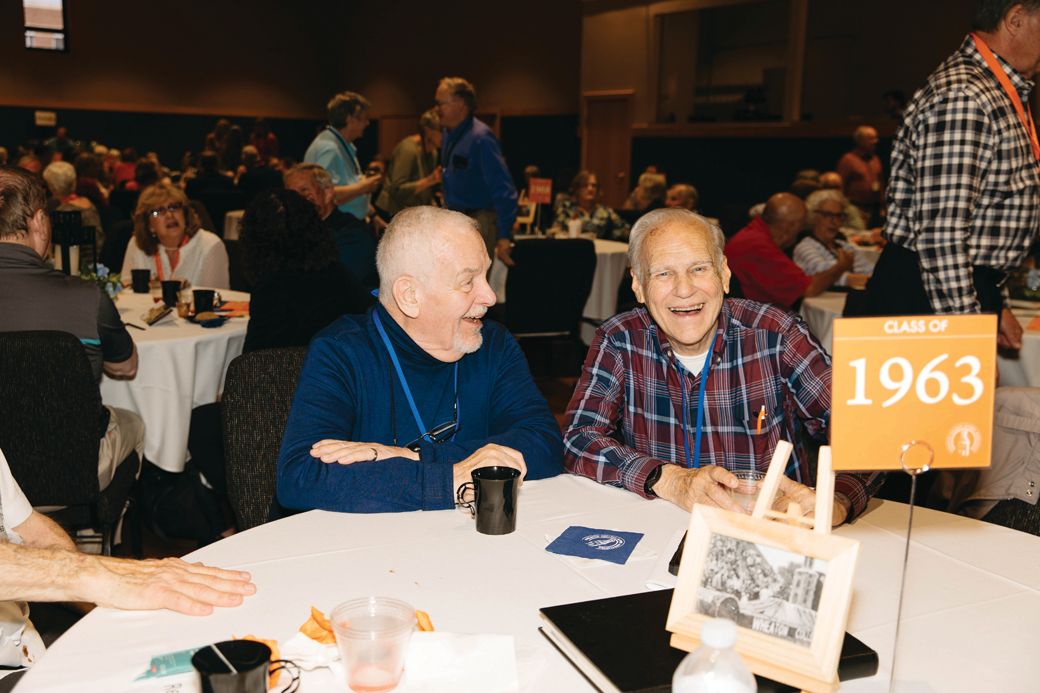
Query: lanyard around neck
[[423, 431], [695, 463], [346, 148], [1024, 115], [173, 259]]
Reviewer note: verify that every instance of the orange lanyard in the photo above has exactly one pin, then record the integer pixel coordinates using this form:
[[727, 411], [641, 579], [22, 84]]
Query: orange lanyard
[[1024, 115], [175, 259]]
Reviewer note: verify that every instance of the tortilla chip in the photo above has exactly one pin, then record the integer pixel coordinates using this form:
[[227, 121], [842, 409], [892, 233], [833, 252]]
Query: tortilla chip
[[422, 619]]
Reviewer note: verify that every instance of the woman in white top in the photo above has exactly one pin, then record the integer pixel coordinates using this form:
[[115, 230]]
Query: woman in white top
[[169, 241], [819, 250]]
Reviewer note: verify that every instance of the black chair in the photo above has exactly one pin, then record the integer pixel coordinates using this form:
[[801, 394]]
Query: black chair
[[545, 293], [258, 393], [218, 204], [50, 429], [116, 241], [236, 270]]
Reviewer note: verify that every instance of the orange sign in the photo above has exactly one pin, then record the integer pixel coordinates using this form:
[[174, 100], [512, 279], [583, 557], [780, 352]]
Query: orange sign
[[539, 190], [918, 386]]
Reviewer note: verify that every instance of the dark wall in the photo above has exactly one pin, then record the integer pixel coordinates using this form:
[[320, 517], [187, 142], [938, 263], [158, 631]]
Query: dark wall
[[732, 174]]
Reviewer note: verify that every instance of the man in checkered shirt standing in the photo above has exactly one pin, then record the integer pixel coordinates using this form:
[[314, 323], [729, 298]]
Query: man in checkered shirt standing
[[964, 193]]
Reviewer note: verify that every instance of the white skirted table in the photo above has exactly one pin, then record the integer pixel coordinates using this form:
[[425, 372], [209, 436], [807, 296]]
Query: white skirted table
[[181, 365], [969, 615], [820, 311]]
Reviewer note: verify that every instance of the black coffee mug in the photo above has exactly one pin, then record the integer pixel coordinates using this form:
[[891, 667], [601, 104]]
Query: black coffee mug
[[204, 300], [140, 280], [241, 666], [495, 491], [171, 289]]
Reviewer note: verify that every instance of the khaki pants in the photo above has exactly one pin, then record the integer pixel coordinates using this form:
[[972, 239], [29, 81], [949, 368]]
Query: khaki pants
[[125, 433]]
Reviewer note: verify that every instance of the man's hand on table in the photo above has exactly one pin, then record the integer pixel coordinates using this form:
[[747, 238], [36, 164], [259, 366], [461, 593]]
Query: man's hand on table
[[350, 451], [793, 492], [170, 583], [707, 485], [504, 251], [490, 455], [1009, 336]]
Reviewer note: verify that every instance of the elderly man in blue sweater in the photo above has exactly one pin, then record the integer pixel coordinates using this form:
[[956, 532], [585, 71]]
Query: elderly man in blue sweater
[[396, 408]]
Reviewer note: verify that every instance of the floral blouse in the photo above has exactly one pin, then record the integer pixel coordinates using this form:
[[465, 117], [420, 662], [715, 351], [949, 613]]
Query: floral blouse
[[603, 220]]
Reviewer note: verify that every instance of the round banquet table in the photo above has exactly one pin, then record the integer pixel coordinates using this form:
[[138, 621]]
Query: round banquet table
[[969, 616], [820, 311], [611, 262], [181, 365]]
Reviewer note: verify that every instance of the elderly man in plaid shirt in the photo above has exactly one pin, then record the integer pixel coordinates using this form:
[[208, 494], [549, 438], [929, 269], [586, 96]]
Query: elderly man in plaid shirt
[[964, 194], [677, 395]]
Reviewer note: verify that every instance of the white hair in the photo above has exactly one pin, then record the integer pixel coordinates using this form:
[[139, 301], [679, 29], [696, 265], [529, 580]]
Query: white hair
[[658, 219], [411, 243], [61, 178], [818, 197]]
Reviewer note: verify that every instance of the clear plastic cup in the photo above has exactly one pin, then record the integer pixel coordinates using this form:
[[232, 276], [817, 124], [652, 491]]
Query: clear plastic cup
[[749, 483], [372, 634]]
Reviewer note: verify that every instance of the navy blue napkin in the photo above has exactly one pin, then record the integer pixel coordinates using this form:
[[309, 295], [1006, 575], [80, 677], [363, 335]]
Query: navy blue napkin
[[604, 544]]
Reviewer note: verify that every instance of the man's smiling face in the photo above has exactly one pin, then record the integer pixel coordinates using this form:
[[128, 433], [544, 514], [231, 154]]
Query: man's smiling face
[[681, 286]]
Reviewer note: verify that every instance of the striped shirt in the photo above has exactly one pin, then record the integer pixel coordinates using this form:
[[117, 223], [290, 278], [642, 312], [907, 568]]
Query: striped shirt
[[626, 415], [814, 257], [964, 188]]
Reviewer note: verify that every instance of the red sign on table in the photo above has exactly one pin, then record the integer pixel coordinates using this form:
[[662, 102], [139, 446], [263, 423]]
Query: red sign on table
[[539, 190]]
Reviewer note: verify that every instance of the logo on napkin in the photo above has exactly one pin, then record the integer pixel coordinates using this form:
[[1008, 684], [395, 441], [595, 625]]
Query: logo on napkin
[[604, 544]]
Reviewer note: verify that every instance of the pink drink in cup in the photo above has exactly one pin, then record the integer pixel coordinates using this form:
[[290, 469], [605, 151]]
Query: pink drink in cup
[[372, 635]]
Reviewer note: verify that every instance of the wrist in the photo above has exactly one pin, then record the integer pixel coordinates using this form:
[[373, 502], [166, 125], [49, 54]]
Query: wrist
[[652, 478]]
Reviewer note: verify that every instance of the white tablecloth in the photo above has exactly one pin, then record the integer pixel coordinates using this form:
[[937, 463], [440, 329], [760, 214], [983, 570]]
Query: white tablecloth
[[611, 262], [970, 611], [233, 224], [181, 365], [819, 313]]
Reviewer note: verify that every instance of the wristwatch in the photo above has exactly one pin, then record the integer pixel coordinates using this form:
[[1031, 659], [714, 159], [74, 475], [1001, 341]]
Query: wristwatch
[[652, 478]]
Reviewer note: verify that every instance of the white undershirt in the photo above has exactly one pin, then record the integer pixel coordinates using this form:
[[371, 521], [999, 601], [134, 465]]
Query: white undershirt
[[694, 364]]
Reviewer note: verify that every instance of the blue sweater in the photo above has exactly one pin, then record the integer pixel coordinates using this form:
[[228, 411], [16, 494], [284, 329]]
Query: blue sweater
[[345, 393]]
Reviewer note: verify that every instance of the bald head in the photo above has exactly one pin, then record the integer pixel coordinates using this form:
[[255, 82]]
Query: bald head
[[830, 180], [865, 138], [415, 242], [785, 216]]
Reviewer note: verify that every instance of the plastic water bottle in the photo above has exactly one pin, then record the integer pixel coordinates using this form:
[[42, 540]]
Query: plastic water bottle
[[714, 667]]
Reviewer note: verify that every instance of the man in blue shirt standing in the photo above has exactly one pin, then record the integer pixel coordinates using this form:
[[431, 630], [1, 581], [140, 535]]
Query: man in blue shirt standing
[[475, 179], [333, 149], [395, 409]]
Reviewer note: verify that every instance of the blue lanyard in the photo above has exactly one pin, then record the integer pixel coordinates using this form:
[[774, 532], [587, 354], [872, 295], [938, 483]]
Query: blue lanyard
[[423, 431], [346, 149], [696, 462]]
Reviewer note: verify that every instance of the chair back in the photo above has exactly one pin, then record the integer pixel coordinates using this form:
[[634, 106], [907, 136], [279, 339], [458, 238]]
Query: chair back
[[258, 393], [49, 417], [218, 204], [547, 289]]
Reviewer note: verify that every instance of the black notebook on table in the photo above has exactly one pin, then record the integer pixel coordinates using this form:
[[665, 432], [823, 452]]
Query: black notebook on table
[[620, 644]]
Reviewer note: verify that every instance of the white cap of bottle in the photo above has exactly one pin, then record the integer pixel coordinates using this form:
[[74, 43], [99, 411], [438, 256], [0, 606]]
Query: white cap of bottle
[[719, 633]]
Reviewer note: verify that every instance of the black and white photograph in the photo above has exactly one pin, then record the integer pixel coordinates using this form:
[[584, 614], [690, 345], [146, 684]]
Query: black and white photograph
[[763, 588]]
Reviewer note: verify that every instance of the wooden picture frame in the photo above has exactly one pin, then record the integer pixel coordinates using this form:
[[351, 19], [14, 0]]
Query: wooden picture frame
[[793, 628]]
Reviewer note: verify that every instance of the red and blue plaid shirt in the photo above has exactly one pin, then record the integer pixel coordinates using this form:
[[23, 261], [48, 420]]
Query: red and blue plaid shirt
[[625, 417]]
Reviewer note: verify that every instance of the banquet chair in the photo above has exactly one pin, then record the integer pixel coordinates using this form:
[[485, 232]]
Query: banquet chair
[[49, 433], [546, 292], [258, 393]]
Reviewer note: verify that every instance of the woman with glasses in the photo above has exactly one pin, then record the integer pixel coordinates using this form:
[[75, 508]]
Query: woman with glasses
[[819, 250], [169, 241], [584, 204]]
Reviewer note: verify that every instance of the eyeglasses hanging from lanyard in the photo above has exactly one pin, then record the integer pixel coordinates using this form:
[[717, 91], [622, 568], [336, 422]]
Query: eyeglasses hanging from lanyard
[[438, 434]]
